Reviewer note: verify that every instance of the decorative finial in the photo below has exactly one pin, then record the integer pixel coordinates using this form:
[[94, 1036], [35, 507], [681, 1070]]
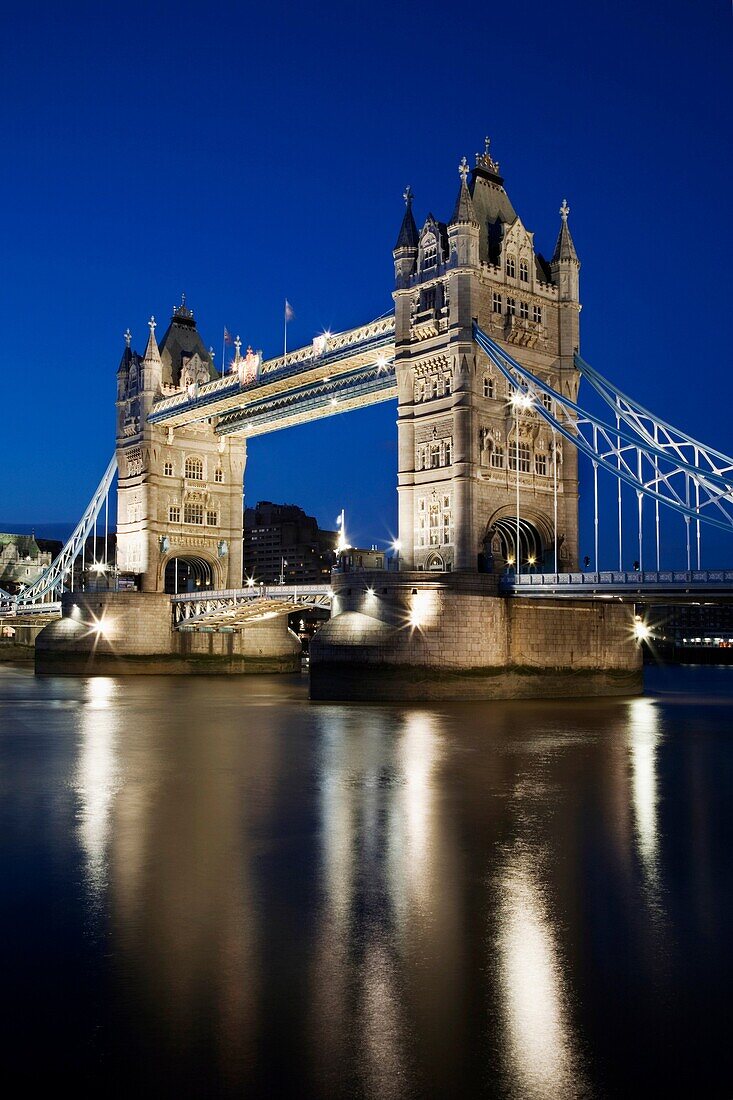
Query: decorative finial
[[408, 196], [152, 325], [485, 159], [237, 345], [212, 353], [128, 338], [183, 299], [463, 170], [564, 210]]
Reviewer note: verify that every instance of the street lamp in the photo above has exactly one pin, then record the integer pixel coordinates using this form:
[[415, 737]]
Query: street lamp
[[519, 400], [396, 547]]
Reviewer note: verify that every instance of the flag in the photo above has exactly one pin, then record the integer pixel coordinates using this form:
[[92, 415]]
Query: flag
[[288, 311], [227, 336]]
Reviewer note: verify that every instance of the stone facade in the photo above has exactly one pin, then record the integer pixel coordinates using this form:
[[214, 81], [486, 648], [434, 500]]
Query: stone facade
[[179, 491], [449, 636], [460, 439], [131, 633]]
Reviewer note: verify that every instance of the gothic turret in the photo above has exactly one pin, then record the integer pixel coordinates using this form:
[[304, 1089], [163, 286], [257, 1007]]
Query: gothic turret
[[151, 366], [463, 229], [405, 251], [565, 249], [565, 264], [123, 371], [565, 268]]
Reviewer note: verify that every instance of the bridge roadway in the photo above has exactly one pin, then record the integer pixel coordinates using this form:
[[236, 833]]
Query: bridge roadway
[[336, 373], [239, 606], [637, 587]]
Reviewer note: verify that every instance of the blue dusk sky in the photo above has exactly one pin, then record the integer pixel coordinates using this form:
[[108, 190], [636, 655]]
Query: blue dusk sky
[[245, 153]]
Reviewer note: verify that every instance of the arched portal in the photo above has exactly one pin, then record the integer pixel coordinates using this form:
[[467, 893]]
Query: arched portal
[[500, 545], [188, 573], [435, 563]]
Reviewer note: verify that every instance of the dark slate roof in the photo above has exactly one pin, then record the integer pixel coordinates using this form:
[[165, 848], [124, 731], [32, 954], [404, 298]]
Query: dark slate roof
[[181, 339], [542, 268], [125, 361], [408, 236], [564, 249], [491, 205]]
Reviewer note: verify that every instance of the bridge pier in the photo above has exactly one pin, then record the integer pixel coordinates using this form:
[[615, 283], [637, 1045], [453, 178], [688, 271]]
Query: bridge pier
[[417, 636], [131, 633]]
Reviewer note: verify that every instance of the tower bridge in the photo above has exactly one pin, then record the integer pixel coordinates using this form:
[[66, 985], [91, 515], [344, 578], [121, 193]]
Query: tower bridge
[[482, 356]]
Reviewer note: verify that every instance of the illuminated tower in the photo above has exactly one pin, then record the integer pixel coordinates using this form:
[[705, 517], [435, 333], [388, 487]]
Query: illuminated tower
[[462, 444], [179, 499]]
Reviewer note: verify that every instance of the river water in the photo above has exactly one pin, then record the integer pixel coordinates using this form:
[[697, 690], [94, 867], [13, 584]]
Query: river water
[[212, 887]]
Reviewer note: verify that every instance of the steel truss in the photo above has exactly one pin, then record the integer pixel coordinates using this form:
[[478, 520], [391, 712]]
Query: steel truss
[[51, 581], [237, 607], [654, 458]]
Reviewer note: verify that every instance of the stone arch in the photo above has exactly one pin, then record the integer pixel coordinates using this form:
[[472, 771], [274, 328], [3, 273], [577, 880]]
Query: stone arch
[[536, 538], [435, 563], [197, 570]]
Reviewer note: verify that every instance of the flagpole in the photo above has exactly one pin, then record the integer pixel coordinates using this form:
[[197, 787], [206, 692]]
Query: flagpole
[[285, 336], [223, 350]]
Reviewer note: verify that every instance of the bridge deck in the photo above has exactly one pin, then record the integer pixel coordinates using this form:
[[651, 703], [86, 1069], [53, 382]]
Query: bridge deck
[[235, 607]]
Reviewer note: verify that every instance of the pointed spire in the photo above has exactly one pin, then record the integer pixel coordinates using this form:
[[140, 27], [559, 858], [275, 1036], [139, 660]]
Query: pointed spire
[[564, 249], [127, 353], [152, 354], [408, 237], [463, 210]]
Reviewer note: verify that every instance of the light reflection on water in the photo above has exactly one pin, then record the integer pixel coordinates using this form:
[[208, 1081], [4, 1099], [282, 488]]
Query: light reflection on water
[[222, 889]]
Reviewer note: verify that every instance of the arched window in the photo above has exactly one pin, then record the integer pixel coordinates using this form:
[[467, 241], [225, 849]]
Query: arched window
[[193, 513], [497, 457], [488, 386], [511, 267], [168, 469], [219, 475], [429, 252], [194, 468], [523, 271]]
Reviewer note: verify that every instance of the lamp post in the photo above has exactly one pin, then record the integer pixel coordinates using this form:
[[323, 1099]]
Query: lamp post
[[396, 546], [519, 401]]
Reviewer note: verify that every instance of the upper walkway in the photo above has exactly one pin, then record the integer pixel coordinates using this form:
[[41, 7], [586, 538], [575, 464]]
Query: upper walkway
[[334, 374], [661, 587]]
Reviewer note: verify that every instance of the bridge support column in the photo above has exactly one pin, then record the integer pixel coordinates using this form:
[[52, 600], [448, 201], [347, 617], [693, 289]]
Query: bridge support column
[[411, 636], [124, 633]]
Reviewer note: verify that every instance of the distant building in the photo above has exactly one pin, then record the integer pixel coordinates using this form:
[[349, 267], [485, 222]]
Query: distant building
[[355, 560], [282, 539], [692, 626], [21, 561]]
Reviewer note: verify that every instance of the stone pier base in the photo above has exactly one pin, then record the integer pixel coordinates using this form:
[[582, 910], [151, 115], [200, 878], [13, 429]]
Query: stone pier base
[[418, 636], [130, 633]]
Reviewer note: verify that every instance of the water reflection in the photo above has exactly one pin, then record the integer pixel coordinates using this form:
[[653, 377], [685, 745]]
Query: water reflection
[[644, 738], [96, 778], [542, 1045], [325, 901]]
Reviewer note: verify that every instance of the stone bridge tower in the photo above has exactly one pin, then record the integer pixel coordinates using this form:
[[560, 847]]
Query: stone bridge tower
[[460, 438], [179, 497]]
